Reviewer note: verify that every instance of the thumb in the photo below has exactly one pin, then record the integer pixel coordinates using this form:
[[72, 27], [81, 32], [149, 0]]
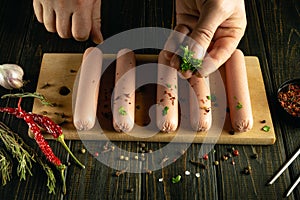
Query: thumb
[[96, 34]]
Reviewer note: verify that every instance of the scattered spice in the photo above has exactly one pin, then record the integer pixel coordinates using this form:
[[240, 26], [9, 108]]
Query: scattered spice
[[266, 128], [176, 179], [136, 157], [247, 170], [205, 156], [160, 179], [122, 157], [233, 162], [122, 111], [126, 158], [199, 164], [120, 172], [216, 163], [197, 174], [187, 173], [224, 157], [83, 150], [254, 156], [235, 152], [96, 154], [165, 110]]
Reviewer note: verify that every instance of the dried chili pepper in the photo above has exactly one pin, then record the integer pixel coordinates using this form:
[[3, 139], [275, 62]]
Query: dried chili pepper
[[39, 138], [43, 121], [55, 130]]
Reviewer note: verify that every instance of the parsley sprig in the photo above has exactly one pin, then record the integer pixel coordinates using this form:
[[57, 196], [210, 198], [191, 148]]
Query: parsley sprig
[[188, 62]]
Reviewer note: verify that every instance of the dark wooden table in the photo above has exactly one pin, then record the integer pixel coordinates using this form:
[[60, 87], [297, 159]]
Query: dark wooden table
[[272, 34]]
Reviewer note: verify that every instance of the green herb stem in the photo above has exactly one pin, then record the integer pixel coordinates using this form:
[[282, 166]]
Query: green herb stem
[[28, 94]]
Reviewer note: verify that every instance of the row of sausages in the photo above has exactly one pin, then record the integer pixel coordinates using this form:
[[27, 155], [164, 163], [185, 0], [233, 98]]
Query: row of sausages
[[86, 98]]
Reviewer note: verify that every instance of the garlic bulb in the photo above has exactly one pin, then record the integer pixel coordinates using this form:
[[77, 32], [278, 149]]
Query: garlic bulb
[[11, 76]]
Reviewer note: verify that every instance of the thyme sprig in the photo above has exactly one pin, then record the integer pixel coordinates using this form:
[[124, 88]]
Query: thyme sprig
[[16, 140], [188, 62], [39, 96], [16, 149], [5, 166]]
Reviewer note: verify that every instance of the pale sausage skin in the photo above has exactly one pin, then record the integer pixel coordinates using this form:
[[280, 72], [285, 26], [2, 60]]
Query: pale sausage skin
[[86, 99], [124, 91], [200, 104], [167, 96], [238, 93]]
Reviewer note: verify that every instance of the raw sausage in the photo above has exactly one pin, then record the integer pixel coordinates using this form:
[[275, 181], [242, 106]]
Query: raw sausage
[[124, 91], [86, 98], [167, 93], [238, 93], [200, 104]]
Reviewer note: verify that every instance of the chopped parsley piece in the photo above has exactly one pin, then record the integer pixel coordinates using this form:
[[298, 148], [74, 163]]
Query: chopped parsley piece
[[122, 111], [176, 179], [188, 62], [168, 85], [165, 110], [208, 97], [266, 128], [239, 105]]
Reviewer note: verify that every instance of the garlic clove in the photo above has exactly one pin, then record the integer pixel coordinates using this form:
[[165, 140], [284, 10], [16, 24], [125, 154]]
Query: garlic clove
[[11, 76]]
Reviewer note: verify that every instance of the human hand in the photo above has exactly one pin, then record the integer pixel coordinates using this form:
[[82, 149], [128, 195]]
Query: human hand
[[214, 29], [71, 18]]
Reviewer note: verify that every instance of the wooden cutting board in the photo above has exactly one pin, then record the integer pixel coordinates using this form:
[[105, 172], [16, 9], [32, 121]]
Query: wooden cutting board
[[56, 79]]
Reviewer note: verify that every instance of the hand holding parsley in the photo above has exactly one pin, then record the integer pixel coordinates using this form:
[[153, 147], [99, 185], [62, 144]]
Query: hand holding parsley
[[214, 29]]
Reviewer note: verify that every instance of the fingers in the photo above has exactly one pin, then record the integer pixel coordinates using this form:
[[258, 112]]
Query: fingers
[[96, 34], [81, 25], [49, 20], [175, 39], [63, 24], [38, 10], [70, 18]]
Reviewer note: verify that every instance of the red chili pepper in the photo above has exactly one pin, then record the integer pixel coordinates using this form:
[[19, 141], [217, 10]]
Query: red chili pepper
[[55, 130]]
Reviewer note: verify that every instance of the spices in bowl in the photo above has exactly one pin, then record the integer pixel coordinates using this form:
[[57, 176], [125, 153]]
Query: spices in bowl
[[289, 97]]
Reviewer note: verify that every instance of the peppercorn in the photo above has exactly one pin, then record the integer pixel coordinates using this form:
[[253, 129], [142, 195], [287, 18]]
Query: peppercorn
[[254, 156], [205, 156], [224, 157], [235, 152], [231, 132], [83, 150], [247, 170]]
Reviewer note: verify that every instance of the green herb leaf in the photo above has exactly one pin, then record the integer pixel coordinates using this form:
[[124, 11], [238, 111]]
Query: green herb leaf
[[176, 179], [266, 128], [122, 111], [239, 105], [188, 62], [165, 110], [208, 97], [168, 85]]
